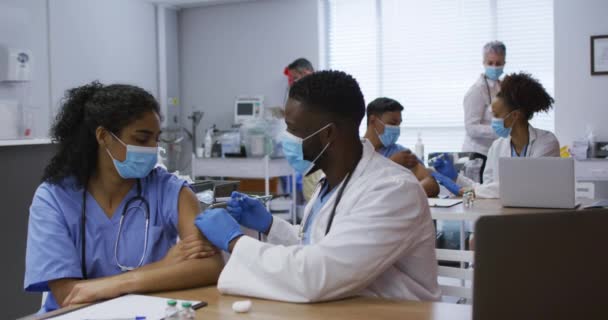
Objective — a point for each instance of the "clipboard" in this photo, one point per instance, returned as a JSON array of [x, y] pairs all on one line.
[[128, 306], [443, 203]]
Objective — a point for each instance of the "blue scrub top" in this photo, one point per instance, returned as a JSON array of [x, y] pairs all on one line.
[[54, 231], [389, 151], [316, 207]]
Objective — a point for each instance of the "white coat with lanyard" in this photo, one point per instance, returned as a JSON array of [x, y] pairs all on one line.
[[541, 144], [381, 243], [478, 115]]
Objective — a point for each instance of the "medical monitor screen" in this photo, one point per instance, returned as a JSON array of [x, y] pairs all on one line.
[[244, 109]]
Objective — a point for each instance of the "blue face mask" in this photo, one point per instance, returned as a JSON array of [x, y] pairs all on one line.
[[498, 125], [294, 151], [390, 135], [139, 162], [493, 73]]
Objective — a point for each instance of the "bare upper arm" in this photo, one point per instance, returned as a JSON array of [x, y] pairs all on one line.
[[420, 171], [188, 209]]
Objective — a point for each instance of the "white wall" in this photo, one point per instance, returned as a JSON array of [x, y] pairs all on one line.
[[109, 41], [242, 48], [23, 24], [580, 99]]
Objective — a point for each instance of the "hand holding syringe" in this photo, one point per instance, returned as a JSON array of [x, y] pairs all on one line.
[[222, 202]]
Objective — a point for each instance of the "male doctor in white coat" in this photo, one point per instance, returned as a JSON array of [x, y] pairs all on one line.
[[366, 231]]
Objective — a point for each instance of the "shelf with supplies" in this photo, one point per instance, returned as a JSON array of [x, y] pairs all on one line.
[[248, 168], [594, 169], [24, 142], [254, 168]]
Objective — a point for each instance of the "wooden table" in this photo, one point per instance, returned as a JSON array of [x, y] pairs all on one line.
[[485, 207], [220, 307], [482, 207]]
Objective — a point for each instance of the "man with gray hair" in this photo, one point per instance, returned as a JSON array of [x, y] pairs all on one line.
[[477, 101], [298, 69]]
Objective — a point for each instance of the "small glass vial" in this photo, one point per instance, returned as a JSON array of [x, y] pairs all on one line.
[[187, 313], [171, 310], [468, 198]]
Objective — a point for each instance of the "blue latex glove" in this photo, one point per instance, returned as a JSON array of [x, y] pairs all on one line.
[[452, 186], [445, 166], [249, 212], [218, 226]]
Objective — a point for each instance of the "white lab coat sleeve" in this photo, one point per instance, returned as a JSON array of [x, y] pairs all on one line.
[[382, 226], [475, 104], [487, 190], [490, 187], [549, 147], [282, 232], [465, 182]]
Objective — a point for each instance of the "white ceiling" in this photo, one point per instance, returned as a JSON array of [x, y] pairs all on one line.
[[194, 3]]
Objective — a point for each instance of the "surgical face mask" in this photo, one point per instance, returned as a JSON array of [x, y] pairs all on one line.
[[294, 151], [493, 73], [390, 135], [139, 162], [498, 125]]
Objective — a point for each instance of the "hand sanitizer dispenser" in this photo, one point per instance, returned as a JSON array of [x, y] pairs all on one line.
[[15, 64]]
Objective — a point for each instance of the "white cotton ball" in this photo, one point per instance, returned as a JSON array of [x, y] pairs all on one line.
[[242, 306]]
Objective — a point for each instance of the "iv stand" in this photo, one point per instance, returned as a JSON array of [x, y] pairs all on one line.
[[196, 119]]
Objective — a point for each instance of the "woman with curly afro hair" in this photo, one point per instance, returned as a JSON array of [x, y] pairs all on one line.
[[519, 99], [104, 222]]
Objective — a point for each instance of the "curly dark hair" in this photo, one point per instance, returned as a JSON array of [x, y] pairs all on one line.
[[83, 110], [523, 92], [332, 92]]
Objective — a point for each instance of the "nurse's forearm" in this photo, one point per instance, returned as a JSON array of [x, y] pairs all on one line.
[[186, 274]]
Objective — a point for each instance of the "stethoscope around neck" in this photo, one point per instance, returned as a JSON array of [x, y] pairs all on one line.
[[125, 210], [333, 211]]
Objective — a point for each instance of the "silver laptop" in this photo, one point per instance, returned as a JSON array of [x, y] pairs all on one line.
[[537, 182]]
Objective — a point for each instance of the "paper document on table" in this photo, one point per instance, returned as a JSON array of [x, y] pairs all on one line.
[[125, 307], [443, 203]]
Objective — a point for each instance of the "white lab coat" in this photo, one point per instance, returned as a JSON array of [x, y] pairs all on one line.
[[542, 144], [381, 244], [478, 116]]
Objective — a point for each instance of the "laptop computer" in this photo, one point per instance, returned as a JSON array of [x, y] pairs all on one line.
[[541, 266], [537, 182]]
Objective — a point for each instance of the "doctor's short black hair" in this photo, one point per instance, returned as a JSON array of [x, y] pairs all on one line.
[[523, 92], [83, 110], [332, 92], [382, 105]]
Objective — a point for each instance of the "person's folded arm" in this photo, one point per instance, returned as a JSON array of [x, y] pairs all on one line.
[[160, 276]]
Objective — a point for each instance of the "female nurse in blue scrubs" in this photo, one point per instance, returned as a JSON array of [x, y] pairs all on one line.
[[104, 222]]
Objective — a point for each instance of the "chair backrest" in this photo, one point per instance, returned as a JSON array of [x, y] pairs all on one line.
[[455, 281], [541, 266]]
